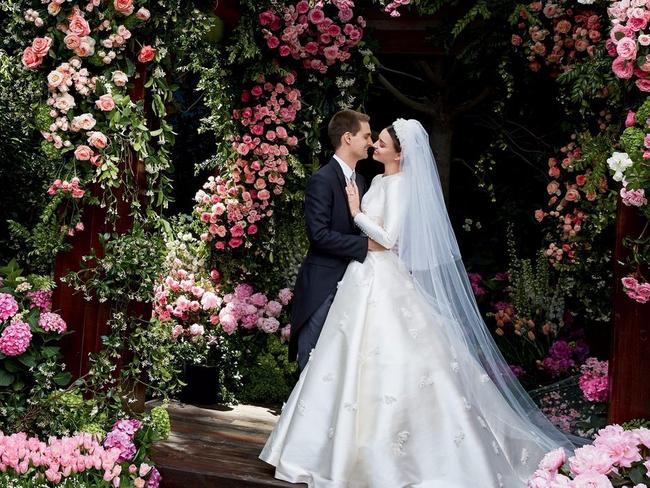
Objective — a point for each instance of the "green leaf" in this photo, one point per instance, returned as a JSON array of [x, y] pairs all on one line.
[[11, 366], [63, 378], [6, 379], [28, 360]]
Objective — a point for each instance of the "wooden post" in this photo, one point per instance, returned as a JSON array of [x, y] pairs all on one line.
[[629, 366], [88, 320]]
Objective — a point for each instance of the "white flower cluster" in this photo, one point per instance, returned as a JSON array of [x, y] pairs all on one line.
[[618, 163]]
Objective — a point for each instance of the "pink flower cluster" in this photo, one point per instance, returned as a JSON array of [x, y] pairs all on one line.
[[557, 35], [392, 7], [558, 411], [563, 356], [475, 280], [8, 306], [593, 380], [62, 458], [637, 291], [612, 450], [15, 338], [41, 299], [52, 322], [231, 206], [121, 438], [308, 34], [628, 42], [633, 198], [187, 301], [72, 187], [249, 310]]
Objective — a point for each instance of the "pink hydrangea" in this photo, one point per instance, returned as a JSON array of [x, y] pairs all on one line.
[[41, 299], [118, 439], [8, 306], [593, 380], [52, 322], [15, 339]]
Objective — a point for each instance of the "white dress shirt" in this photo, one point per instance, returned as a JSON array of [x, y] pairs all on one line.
[[347, 171]]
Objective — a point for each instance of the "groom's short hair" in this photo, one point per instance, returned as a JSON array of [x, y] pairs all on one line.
[[344, 121]]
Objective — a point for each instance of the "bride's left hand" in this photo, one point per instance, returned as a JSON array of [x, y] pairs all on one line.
[[353, 198]]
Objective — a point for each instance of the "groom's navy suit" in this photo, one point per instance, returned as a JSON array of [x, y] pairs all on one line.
[[334, 240]]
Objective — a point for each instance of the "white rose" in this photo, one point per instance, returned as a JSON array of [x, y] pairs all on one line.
[[55, 78], [120, 78], [64, 102]]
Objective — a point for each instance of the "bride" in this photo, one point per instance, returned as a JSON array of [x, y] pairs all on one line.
[[406, 387]]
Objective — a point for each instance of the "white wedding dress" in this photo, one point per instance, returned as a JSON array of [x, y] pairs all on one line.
[[380, 403]]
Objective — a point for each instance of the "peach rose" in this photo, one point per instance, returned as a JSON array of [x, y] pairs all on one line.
[[78, 26], [41, 45], [120, 78], [53, 8], [86, 47], [105, 103], [72, 41], [572, 195], [552, 187], [65, 102], [83, 153], [146, 54], [30, 59], [97, 139], [125, 7], [54, 79], [143, 14]]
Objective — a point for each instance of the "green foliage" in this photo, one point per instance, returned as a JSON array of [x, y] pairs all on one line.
[[268, 376], [632, 141]]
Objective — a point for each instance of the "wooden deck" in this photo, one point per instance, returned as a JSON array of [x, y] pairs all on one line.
[[217, 447]]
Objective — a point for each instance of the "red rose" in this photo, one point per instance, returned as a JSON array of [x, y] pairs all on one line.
[[146, 54]]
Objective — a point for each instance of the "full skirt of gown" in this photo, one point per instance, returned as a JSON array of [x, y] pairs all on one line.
[[381, 405]]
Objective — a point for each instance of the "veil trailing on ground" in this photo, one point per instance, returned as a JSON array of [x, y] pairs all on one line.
[[428, 248]]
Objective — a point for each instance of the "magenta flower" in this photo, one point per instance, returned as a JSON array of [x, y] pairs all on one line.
[[8, 306], [15, 339]]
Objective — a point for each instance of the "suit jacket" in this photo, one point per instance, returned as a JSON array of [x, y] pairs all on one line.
[[334, 240]]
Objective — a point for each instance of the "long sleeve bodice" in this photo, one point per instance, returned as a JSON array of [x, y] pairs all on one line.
[[382, 210]]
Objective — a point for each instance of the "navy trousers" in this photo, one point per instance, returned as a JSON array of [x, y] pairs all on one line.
[[309, 333]]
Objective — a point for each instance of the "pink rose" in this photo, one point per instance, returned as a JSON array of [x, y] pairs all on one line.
[[630, 282], [72, 41], [196, 330], [78, 26], [591, 480], [284, 50], [316, 16], [30, 59], [272, 42], [143, 14], [629, 119], [125, 7], [626, 48], [643, 85], [146, 54], [97, 139], [41, 45], [302, 7], [622, 68], [516, 40], [83, 153], [105, 103]]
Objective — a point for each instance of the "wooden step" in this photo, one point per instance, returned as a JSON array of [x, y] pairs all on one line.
[[217, 447]]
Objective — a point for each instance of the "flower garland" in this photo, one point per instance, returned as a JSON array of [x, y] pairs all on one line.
[[89, 118]]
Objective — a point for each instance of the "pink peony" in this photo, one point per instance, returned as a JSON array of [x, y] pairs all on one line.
[[210, 300], [591, 480], [591, 459], [52, 322], [285, 295], [553, 460], [15, 338], [8, 306], [633, 198]]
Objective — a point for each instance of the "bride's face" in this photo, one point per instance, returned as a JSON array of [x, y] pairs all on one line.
[[385, 151]]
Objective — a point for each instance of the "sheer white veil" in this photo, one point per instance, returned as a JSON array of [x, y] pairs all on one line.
[[428, 248]]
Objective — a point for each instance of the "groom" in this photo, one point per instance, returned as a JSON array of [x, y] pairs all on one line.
[[334, 240]]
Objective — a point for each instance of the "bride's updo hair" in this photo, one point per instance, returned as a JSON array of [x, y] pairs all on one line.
[[393, 136]]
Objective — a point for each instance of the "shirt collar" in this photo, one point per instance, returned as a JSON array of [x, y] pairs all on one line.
[[347, 171]]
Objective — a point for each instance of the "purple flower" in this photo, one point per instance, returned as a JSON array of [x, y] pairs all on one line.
[[128, 426], [118, 439]]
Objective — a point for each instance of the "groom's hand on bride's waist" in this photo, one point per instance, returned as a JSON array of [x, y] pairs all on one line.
[[374, 246]]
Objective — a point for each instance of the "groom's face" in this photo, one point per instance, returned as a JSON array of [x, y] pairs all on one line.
[[361, 141]]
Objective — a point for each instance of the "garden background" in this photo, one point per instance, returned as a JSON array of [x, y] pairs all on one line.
[[154, 159]]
